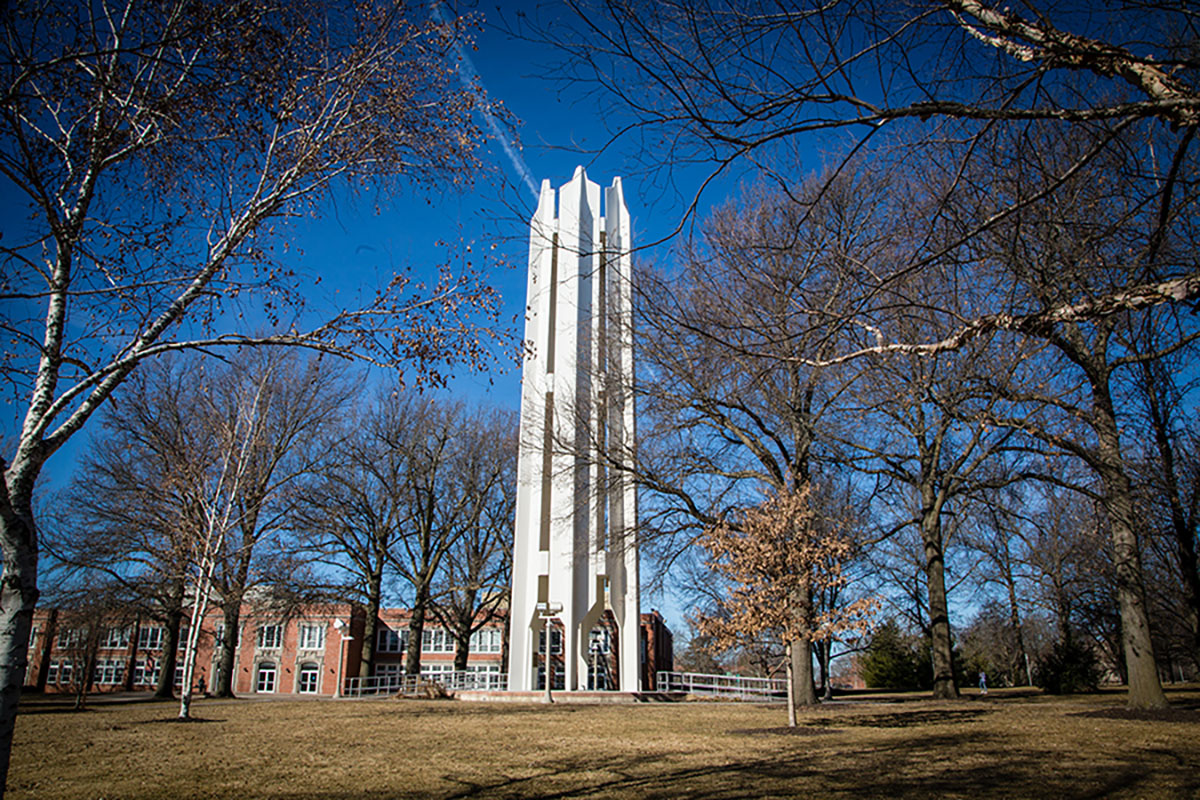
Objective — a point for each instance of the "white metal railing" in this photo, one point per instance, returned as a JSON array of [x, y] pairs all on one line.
[[411, 684], [470, 681], [734, 687], [381, 684]]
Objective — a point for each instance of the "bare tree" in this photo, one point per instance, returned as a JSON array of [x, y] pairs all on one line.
[[351, 512], [300, 399], [154, 144], [427, 435], [994, 525], [123, 518], [726, 82], [1072, 247], [474, 586], [1169, 481]]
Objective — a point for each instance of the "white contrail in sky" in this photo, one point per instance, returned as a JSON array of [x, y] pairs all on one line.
[[469, 77]]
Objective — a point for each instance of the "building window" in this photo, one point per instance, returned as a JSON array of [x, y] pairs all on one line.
[[388, 670], [66, 672], [52, 673], [270, 637], [429, 670], [67, 637], [390, 641], [560, 676], [115, 637], [312, 636], [599, 642], [109, 671], [265, 684], [150, 638], [310, 676], [33, 635], [488, 640], [436, 640], [488, 675], [146, 672], [555, 640], [178, 675]]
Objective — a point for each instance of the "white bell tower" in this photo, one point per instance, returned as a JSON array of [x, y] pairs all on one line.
[[574, 552]]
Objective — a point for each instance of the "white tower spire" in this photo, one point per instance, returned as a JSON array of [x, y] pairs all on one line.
[[574, 553]]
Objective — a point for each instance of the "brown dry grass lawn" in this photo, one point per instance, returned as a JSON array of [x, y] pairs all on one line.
[[998, 746]]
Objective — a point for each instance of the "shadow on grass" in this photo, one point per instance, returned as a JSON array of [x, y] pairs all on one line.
[[907, 719], [1176, 713], [60, 704], [915, 766]]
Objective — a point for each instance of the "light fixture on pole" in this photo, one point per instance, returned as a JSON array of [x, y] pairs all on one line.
[[342, 628], [547, 612]]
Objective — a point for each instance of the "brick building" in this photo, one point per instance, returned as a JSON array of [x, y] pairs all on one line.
[[305, 654]]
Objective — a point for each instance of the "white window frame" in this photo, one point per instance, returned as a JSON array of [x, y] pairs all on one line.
[[308, 669], [269, 636], [261, 672], [151, 637], [429, 670], [109, 671], [387, 670], [144, 677], [388, 640], [487, 640], [311, 636], [555, 641], [436, 640], [560, 676], [600, 635], [115, 638]]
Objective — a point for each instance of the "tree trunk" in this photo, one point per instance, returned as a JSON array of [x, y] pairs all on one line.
[[1145, 691], [131, 656], [791, 689], [825, 654], [800, 673], [170, 654], [462, 641], [366, 665], [416, 627], [47, 644], [18, 598], [504, 645], [464, 621], [83, 683], [1185, 535], [225, 667], [941, 645], [1014, 619]]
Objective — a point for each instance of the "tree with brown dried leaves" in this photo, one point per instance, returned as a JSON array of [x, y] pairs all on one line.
[[777, 558]]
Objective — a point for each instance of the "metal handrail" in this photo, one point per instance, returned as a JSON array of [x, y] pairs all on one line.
[[412, 684], [726, 686]]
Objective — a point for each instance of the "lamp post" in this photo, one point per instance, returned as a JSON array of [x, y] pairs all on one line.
[[547, 612], [341, 627]]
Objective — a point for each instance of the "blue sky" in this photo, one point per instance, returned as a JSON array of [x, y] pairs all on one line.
[[357, 242]]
